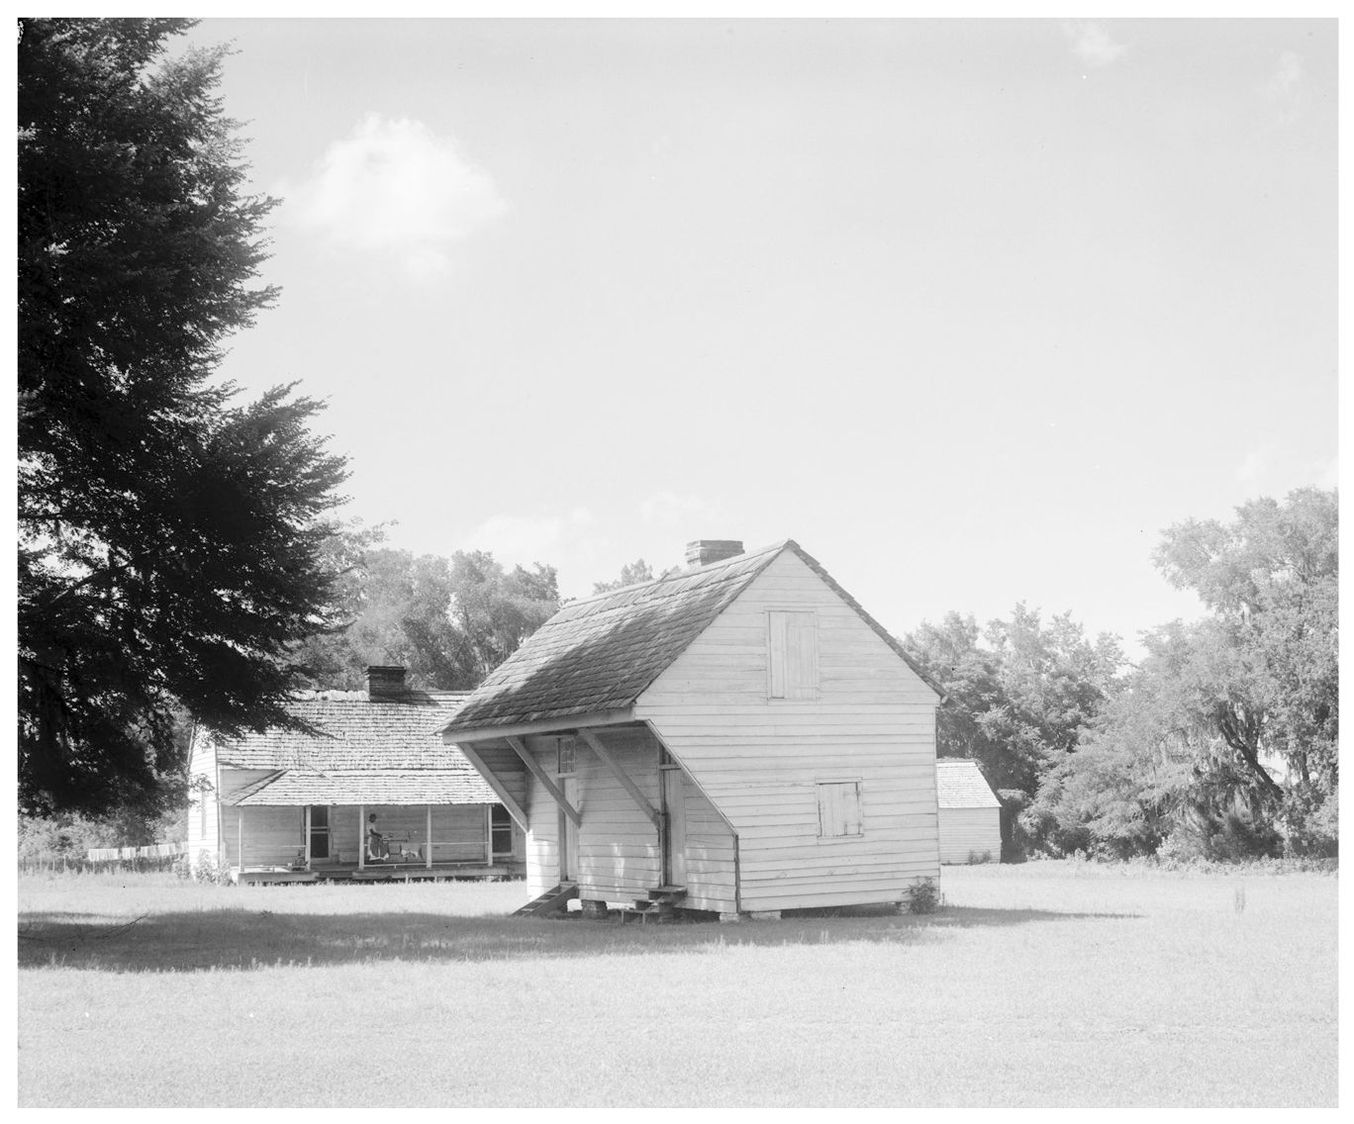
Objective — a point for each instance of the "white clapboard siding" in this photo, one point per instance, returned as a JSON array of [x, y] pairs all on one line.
[[542, 836], [759, 759], [271, 836], [268, 840], [202, 804], [618, 853], [967, 834], [619, 859], [711, 855]]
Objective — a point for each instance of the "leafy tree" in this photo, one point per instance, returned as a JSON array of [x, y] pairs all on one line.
[[169, 540], [1181, 755], [494, 611], [1268, 661], [1150, 766], [970, 678], [632, 573], [1022, 699], [449, 621]]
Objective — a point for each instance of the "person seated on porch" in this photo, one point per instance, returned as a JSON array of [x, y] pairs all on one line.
[[376, 844]]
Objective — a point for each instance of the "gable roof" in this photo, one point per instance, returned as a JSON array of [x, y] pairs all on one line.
[[961, 784], [602, 653], [353, 731]]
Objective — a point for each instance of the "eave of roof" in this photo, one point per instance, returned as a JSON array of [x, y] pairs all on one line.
[[388, 787]]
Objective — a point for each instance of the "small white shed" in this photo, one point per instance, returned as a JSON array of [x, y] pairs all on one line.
[[970, 813]]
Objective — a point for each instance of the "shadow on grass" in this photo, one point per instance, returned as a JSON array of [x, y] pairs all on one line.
[[235, 939]]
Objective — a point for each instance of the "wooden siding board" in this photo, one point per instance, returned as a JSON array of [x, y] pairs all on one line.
[[965, 831]]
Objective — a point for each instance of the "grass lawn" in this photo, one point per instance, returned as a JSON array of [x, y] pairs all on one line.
[[1040, 984]]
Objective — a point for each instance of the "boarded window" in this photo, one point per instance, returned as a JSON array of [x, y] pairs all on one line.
[[792, 655], [839, 809]]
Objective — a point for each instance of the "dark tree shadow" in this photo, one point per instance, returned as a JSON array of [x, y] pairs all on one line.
[[252, 939]]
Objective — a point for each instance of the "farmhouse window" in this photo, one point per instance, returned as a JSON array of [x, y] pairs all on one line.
[[500, 830], [839, 812], [567, 747], [792, 655]]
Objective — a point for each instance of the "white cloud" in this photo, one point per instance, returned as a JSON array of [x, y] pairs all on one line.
[[666, 508], [1091, 43], [531, 538], [394, 186], [1284, 89], [1286, 77]]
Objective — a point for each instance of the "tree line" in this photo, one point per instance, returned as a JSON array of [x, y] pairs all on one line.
[[1221, 742]]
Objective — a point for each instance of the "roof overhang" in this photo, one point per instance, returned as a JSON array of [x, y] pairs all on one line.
[[557, 725], [382, 787]]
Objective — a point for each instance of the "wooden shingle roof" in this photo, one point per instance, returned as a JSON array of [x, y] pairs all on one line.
[[960, 784], [354, 732], [601, 654], [292, 788]]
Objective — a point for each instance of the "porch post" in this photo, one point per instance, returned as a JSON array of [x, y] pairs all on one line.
[[428, 838], [361, 837], [239, 838], [306, 828]]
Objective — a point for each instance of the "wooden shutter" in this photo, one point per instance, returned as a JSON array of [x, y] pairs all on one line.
[[839, 809], [792, 655]]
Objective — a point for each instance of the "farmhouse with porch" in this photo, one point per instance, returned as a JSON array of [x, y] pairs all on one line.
[[290, 806], [741, 737]]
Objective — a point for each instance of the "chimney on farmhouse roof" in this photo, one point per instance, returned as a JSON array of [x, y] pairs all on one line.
[[704, 551], [385, 683]]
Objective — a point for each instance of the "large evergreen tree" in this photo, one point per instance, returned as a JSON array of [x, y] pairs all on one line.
[[169, 539]]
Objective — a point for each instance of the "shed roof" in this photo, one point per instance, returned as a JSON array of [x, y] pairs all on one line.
[[353, 731], [602, 653], [295, 787], [960, 784]]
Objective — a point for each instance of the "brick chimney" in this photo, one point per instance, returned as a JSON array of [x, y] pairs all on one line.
[[704, 551], [385, 683]]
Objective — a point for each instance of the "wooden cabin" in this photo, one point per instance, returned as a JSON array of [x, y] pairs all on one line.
[[741, 737], [286, 805], [970, 813]]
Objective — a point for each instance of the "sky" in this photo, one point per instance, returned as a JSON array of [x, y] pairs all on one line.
[[972, 310]]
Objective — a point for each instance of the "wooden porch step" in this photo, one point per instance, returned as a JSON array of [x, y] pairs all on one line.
[[659, 904], [554, 899]]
